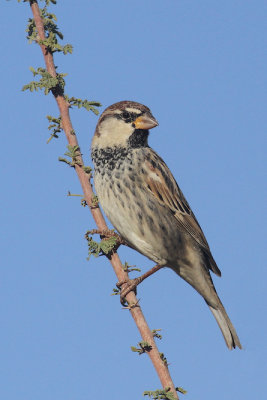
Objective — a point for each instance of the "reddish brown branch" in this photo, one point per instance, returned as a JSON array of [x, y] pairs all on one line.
[[161, 368]]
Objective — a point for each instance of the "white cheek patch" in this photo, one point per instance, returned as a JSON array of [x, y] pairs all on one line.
[[113, 132]]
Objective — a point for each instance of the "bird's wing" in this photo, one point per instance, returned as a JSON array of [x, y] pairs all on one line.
[[161, 183]]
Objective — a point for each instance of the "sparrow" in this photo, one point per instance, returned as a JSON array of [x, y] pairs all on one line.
[[142, 200]]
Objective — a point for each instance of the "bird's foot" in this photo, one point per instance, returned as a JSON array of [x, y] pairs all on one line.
[[131, 284], [127, 286]]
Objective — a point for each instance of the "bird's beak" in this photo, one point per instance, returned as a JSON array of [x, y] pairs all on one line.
[[145, 122]]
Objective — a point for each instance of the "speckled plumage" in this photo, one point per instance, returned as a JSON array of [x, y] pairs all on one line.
[[146, 206]]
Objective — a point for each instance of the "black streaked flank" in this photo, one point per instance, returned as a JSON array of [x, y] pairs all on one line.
[[122, 202], [163, 227], [126, 183], [140, 216], [150, 220]]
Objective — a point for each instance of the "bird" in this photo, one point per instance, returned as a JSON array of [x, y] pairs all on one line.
[[144, 203]]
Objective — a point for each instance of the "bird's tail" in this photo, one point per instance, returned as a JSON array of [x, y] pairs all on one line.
[[226, 326]]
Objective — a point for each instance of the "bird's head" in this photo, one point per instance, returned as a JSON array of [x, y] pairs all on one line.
[[123, 124]]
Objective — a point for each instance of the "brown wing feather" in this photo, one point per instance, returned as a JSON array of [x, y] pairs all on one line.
[[163, 186]]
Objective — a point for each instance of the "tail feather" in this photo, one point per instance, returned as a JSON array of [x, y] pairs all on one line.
[[226, 326], [199, 277]]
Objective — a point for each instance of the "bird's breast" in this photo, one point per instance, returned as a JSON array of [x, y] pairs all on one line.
[[133, 214]]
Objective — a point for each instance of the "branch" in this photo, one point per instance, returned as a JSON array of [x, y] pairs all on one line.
[[134, 307]]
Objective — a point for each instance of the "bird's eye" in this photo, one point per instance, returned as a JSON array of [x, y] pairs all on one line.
[[126, 115]]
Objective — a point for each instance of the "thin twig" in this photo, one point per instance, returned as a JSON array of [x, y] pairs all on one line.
[[161, 368]]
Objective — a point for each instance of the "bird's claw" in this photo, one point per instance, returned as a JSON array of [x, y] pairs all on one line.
[[126, 287]]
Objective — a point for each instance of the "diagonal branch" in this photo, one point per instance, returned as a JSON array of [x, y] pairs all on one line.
[[135, 309]]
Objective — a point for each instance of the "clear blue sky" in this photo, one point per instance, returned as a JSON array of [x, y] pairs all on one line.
[[201, 68]]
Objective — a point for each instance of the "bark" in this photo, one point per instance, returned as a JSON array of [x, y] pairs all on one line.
[[134, 307]]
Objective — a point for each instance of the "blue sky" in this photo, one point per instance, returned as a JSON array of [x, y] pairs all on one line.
[[201, 68]]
